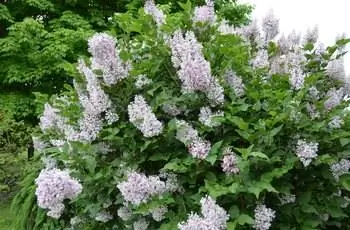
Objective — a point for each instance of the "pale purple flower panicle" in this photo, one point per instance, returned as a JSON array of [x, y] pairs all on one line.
[[263, 217], [142, 117], [312, 110], [251, 32], [261, 59], [50, 118], [297, 78], [141, 224], [207, 117], [306, 151], [124, 213], [229, 162], [193, 70], [205, 14], [103, 216], [139, 188], [225, 28], [157, 15], [334, 98], [236, 83], [213, 217], [199, 148], [53, 187], [158, 214], [294, 38], [270, 26], [311, 35], [336, 70], [105, 56], [340, 168], [284, 44], [142, 81], [185, 132], [336, 122], [288, 199], [95, 102], [171, 109]]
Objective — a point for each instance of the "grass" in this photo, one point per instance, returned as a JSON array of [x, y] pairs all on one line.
[[6, 216]]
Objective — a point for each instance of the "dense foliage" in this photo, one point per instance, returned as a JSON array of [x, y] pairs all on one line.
[[179, 120]]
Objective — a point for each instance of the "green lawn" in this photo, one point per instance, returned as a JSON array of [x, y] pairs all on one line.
[[5, 217]]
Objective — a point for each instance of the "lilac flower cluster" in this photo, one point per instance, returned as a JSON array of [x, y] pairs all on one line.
[[235, 82], [193, 70], [213, 217], [157, 15], [197, 147], [306, 151], [207, 117], [141, 115], [334, 98], [124, 213], [340, 168], [142, 81], [139, 188], [141, 224], [263, 217], [105, 56], [287, 199], [205, 14], [53, 187], [229, 162], [336, 122], [95, 102], [270, 26], [103, 216], [158, 214]]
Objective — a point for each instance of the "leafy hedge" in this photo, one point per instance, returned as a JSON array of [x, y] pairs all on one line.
[[180, 120]]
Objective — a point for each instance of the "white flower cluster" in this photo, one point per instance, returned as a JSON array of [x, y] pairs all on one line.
[[124, 213], [287, 199], [105, 56], [103, 216], [312, 110], [157, 15], [158, 214], [306, 151], [197, 147], [336, 122], [261, 59], [213, 217], [334, 98], [336, 70], [193, 70], [95, 102], [270, 26], [142, 117], [225, 28], [205, 14], [139, 188], [229, 162], [171, 109], [340, 168], [207, 117], [263, 217], [142, 81], [141, 224], [311, 35], [53, 187], [235, 83]]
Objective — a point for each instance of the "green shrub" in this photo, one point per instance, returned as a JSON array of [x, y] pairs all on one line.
[[184, 118]]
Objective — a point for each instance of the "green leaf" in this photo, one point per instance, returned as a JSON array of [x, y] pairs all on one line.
[[213, 153], [245, 219], [176, 165], [259, 154], [216, 190], [90, 163], [345, 182], [232, 225], [344, 141], [238, 121]]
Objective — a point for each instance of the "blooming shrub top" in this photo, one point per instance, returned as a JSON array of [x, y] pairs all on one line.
[[185, 122]]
